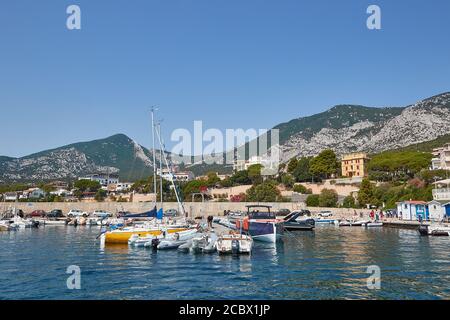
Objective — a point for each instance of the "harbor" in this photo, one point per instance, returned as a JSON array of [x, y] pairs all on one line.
[[329, 263]]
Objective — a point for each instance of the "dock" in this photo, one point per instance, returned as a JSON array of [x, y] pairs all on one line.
[[403, 224]]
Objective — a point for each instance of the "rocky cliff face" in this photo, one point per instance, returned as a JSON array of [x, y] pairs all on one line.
[[344, 128], [366, 129], [116, 154]]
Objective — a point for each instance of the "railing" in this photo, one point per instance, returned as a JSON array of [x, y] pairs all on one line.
[[441, 194]]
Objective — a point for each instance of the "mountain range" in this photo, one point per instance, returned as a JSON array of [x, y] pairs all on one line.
[[116, 154], [343, 128]]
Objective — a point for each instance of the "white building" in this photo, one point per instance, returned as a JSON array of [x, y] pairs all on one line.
[[10, 196], [441, 158], [36, 193], [60, 192], [241, 165], [439, 209], [182, 176], [411, 210], [103, 179], [442, 190]]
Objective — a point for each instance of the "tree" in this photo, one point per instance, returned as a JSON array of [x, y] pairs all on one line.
[[325, 164], [349, 202], [100, 195], [264, 192], [192, 187], [287, 180], [302, 189], [328, 198], [240, 178], [213, 179], [226, 183], [87, 185], [312, 200], [366, 193], [254, 173], [301, 172], [398, 165], [292, 165]]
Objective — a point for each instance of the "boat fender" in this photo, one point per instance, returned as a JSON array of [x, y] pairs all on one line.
[[246, 224]]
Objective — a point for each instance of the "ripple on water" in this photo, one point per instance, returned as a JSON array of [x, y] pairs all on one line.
[[330, 263]]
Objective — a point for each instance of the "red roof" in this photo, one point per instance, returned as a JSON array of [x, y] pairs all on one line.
[[413, 202]]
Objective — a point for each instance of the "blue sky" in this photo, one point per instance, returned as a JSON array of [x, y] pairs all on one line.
[[232, 64]]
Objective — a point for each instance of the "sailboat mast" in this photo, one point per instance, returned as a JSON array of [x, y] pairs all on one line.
[[154, 156], [180, 204], [161, 154]]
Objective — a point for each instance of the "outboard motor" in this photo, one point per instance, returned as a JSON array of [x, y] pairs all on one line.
[[423, 230], [235, 246], [155, 243]]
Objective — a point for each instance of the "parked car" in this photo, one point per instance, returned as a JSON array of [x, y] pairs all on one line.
[[171, 213], [101, 214], [56, 213], [283, 212], [77, 213], [325, 214], [37, 214]]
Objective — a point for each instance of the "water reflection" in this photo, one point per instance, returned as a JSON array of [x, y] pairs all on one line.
[[330, 263]]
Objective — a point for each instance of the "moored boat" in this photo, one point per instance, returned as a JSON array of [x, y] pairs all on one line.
[[374, 224], [352, 223], [204, 243], [234, 243], [121, 236], [322, 220], [299, 220], [261, 225], [438, 230]]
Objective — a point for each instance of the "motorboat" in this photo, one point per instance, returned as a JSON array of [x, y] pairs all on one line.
[[374, 224], [163, 242], [261, 224], [299, 220], [50, 222], [234, 243], [323, 220], [5, 225], [205, 243], [186, 247], [434, 229], [21, 223], [352, 223]]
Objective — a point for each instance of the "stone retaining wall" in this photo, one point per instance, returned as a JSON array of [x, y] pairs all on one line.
[[193, 208]]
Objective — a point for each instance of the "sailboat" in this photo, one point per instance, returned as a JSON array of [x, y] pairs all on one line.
[[155, 228]]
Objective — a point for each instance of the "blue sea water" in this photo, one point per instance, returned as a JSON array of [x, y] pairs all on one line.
[[330, 263]]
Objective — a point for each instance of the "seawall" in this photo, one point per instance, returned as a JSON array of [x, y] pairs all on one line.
[[194, 209]]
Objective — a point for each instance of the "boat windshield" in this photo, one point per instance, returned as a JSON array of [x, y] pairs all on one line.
[[261, 215]]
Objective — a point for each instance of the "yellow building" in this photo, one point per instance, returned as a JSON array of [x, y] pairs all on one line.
[[355, 165]]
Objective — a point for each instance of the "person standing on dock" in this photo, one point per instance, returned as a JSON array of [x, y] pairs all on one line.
[[210, 222]]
